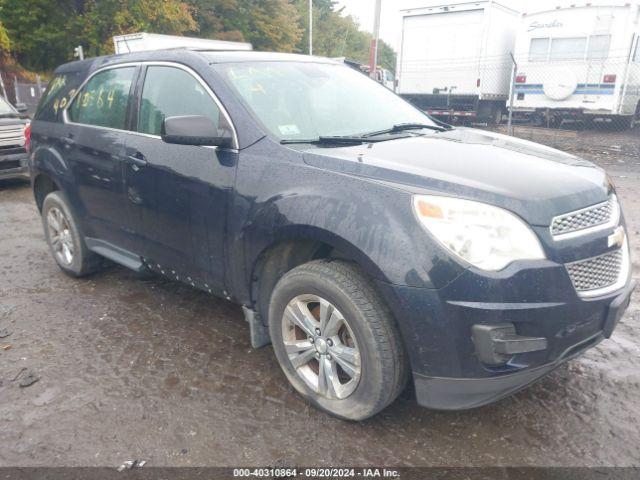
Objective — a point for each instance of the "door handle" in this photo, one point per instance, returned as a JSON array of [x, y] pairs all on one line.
[[137, 160], [68, 140]]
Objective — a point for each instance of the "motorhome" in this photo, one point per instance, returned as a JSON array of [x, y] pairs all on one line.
[[579, 63], [454, 60]]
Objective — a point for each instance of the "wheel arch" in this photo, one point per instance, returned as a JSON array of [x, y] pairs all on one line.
[[49, 170], [294, 246], [43, 185]]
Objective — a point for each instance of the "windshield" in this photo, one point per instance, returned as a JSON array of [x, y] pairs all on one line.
[[5, 108], [312, 100]]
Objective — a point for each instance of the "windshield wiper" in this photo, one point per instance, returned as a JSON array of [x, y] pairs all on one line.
[[401, 127], [349, 140]]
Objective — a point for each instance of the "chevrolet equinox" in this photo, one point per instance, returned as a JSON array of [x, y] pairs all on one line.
[[368, 243]]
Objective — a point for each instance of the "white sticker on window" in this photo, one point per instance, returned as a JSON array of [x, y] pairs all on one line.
[[289, 129]]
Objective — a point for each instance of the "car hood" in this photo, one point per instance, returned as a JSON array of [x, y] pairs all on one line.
[[532, 180]]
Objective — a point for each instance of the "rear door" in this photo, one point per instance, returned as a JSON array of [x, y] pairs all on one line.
[[93, 148], [177, 195]]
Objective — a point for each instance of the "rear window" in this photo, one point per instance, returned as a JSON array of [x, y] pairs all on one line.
[[568, 48], [61, 88], [539, 50]]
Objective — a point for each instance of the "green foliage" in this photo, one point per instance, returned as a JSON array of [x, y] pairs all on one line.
[[43, 33], [104, 19], [5, 44]]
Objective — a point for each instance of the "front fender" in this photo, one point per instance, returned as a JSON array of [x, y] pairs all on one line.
[[279, 197]]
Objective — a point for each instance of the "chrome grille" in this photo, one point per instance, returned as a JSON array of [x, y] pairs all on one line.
[[597, 272], [594, 216], [11, 135]]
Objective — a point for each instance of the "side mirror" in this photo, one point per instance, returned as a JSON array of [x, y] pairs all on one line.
[[22, 107], [193, 130]]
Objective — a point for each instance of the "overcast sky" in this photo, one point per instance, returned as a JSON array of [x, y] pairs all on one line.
[[390, 19]]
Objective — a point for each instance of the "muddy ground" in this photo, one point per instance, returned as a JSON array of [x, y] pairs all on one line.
[[153, 370]]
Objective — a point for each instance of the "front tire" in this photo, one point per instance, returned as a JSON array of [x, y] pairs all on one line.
[[336, 340], [65, 241]]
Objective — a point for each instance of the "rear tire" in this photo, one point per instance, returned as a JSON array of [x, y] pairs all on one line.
[[327, 319], [65, 241]]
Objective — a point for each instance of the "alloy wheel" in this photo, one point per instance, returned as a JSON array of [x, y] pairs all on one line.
[[60, 236], [321, 346]]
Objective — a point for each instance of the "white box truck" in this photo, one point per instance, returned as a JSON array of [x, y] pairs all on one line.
[[579, 63], [454, 60], [142, 41]]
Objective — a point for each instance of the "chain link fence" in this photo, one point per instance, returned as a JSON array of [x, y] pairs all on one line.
[[22, 95]]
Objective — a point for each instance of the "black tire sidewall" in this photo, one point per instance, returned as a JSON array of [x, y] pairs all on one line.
[[369, 396]]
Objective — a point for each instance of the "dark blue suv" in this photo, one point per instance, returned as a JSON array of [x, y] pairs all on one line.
[[367, 242]]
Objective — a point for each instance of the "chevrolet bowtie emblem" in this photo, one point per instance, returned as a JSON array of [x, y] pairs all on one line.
[[616, 239]]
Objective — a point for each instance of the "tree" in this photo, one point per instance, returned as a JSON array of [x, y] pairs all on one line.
[[5, 44], [44, 32], [105, 18], [268, 24], [38, 30]]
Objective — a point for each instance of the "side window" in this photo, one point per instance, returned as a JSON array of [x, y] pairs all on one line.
[[598, 47], [103, 100], [539, 49], [60, 89], [170, 92]]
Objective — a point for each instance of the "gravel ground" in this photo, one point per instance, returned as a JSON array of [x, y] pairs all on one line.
[[153, 370]]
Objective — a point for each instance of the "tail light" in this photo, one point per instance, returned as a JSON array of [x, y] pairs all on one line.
[[478, 83], [521, 79], [27, 136], [609, 79]]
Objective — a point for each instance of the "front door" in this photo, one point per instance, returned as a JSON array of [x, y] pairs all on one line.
[[178, 194], [93, 145]]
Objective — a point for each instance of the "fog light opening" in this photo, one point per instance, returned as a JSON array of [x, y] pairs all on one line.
[[498, 343]]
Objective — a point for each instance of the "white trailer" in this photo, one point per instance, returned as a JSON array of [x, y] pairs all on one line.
[[454, 59], [579, 63], [139, 42]]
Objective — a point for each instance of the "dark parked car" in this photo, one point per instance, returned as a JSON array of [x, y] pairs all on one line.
[[366, 242], [13, 155]]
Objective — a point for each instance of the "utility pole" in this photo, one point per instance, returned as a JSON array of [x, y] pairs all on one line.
[[310, 27], [373, 54], [512, 92]]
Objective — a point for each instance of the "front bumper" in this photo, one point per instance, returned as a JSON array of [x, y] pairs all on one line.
[[14, 165], [437, 330]]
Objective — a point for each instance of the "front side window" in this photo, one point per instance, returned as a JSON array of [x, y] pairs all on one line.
[[598, 47], [568, 48], [171, 92], [299, 100], [539, 49], [103, 100]]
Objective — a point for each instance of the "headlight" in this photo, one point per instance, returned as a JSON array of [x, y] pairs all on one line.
[[487, 237]]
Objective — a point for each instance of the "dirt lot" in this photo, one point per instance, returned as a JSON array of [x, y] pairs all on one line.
[[150, 369]]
